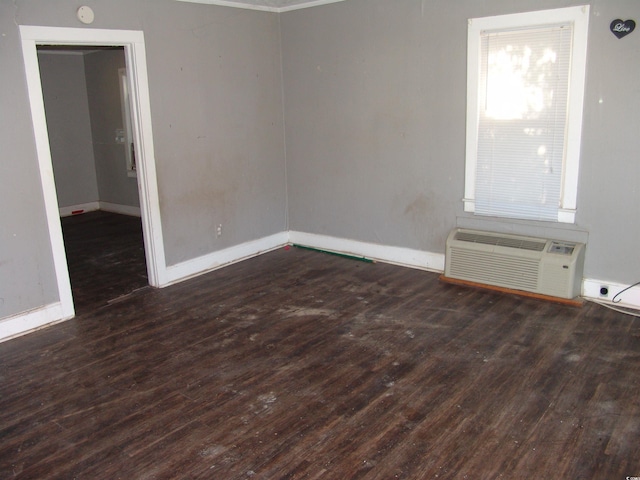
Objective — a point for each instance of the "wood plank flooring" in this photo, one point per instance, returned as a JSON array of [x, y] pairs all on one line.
[[105, 256], [302, 365]]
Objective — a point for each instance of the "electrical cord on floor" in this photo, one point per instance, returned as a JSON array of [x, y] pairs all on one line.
[[633, 313], [613, 300]]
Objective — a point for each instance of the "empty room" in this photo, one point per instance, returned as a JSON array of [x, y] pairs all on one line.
[[319, 239]]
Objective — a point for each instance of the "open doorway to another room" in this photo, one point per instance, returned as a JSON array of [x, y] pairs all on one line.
[[133, 44], [85, 92]]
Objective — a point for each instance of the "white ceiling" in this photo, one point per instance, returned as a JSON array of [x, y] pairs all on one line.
[[266, 5]]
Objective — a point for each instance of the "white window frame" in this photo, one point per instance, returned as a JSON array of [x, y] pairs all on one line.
[[579, 17], [127, 131]]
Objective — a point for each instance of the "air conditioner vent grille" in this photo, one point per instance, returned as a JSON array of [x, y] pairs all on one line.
[[521, 244], [495, 269]]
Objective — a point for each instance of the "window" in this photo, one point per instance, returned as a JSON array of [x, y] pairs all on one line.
[[525, 88], [125, 135]]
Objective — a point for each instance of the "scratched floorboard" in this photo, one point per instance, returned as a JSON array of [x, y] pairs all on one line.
[[302, 365]]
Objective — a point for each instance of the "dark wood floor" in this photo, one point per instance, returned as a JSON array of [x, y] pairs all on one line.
[[105, 255], [303, 365]]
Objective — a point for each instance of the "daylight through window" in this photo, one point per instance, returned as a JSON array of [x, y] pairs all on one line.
[[525, 91]]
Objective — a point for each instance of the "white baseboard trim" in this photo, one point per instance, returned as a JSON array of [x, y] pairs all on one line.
[[93, 206], [32, 320], [629, 299], [222, 258], [405, 257], [121, 209], [80, 208]]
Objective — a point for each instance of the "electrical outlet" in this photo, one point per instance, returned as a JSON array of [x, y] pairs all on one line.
[[219, 230]]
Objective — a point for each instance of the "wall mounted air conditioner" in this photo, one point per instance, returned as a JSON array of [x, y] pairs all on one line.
[[541, 266]]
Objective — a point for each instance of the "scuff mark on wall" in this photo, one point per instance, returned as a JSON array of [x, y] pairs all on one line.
[[425, 217], [418, 208]]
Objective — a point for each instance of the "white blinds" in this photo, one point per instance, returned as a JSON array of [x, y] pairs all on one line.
[[523, 95]]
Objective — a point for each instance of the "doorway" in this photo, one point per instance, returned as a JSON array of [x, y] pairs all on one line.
[[134, 48], [88, 121]]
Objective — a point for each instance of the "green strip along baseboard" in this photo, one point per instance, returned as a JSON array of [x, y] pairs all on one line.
[[344, 255]]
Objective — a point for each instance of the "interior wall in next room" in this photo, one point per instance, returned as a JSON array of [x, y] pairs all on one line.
[[115, 185], [64, 89]]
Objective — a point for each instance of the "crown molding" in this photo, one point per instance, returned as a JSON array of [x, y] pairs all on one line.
[[276, 6], [307, 4]]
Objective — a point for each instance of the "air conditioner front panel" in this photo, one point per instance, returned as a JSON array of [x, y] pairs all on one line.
[[556, 281], [494, 269], [531, 264]]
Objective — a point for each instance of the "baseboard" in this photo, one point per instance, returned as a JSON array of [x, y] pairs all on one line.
[[31, 321], [212, 261], [93, 206], [395, 255], [27, 322], [405, 257], [80, 208], [629, 299], [121, 209]]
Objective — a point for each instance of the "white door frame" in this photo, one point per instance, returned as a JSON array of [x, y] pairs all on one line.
[[133, 43]]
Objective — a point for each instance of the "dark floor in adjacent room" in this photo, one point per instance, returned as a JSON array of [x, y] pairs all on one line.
[[105, 255], [302, 365]]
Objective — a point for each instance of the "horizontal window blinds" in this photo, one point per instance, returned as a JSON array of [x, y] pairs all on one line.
[[523, 104]]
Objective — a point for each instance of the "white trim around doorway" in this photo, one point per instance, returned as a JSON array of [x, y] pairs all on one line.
[[133, 43]]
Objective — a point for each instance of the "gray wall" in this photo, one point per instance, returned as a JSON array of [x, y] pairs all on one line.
[[216, 101], [375, 125], [68, 122], [375, 105], [27, 277], [103, 91], [83, 109], [216, 106]]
